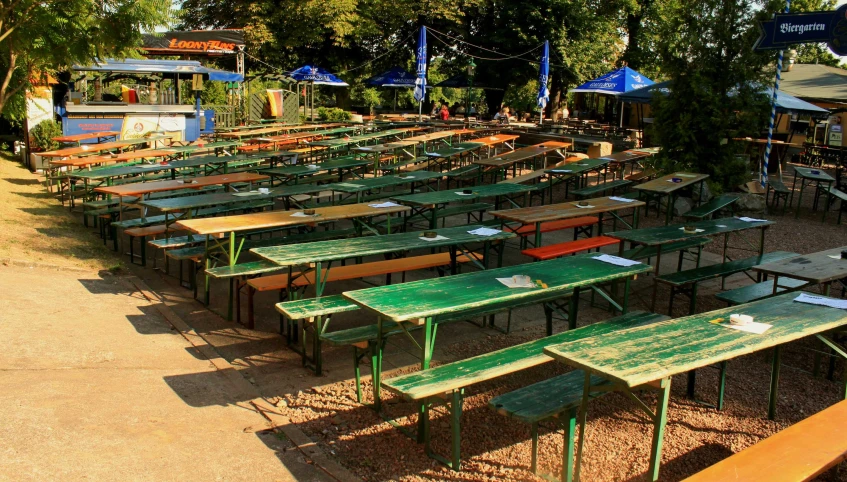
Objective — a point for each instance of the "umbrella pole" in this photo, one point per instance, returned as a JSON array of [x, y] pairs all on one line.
[[313, 102]]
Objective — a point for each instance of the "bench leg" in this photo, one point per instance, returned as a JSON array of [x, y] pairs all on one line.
[[661, 419], [722, 385], [569, 427], [777, 356]]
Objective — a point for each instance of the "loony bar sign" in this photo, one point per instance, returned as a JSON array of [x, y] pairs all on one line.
[[788, 29], [209, 42]]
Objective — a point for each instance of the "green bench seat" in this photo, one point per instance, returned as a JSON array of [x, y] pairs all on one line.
[[447, 382], [685, 282], [706, 210], [780, 192], [601, 188], [646, 252], [758, 291], [399, 165]]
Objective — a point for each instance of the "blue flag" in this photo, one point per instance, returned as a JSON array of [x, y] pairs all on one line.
[[420, 82], [544, 75]]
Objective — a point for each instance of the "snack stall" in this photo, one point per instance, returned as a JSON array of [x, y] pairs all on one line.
[[140, 108]]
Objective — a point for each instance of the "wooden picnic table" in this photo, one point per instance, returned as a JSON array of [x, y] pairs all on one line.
[[88, 161], [553, 212], [144, 189], [430, 201], [492, 141], [78, 138], [279, 140], [90, 149], [821, 268], [361, 186], [467, 295], [665, 186], [659, 236], [631, 156], [228, 248], [459, 151], [343, 165], [810, 176], [685, 344], [577, 171], [502, 162]]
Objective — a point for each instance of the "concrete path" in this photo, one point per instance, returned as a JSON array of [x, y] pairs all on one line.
[[96, 385]]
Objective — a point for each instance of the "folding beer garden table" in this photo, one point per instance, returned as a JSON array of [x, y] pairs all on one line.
[[432, 201], [429, 302], [648, 357], [502, 162], [459, 152], [578, 171], [810, 177], [78, 138], [344, 165], [359, 187], [821, 268], [669, 186]]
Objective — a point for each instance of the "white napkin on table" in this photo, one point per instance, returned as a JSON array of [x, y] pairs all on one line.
[[822, 301], [697, 230], [621, 199], [561, 170], [485, 231], [386, 204], [618, 261], [301, 214], [437, 238], [751, 220], [518, 281], [460, 193]]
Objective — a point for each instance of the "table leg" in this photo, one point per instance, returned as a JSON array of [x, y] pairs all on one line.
[[583, 415], [799, 196], [538, 234], [826, 200], [774, 383], [655, 275], [659, 422], [376, 360]]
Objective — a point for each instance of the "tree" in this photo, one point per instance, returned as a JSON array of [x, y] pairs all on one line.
[[716, 91], [42, 36], [815, 53]]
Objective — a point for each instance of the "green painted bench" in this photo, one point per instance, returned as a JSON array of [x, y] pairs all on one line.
[[602, 188], [833, 193], [685, 282], [758, 291], [706, 210], [446, 383], [780, 191], [647, 252], [452, 210], [399, 165]]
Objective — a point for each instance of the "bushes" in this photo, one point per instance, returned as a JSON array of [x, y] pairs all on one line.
[[333, 114], [41, 136]]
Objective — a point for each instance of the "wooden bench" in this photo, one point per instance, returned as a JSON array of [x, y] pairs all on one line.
[[388, 267], [706, 210], [582, 225], [833, 194], [758, 291], [446, 383], [143, 233], [642, 176], [801, 452], [780, 191], [601, 189], [570, 247], [402, 164], [685, 282]]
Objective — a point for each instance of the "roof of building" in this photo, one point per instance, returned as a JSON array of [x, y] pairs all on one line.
[[815, 82]]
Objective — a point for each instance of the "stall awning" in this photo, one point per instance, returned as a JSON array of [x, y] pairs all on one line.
[[149, 66]]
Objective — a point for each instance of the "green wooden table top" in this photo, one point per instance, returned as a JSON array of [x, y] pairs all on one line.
[[463, 292], [806, 173], [138, 168], [518, 155], [552, 212], [817, 267], [456, 194], [454, 150], [627, 156], [578, 167], [653, 352], [672, 233], [305, 253], [665, 185], [304, 169], [354, 139], [177, 204], [360, 185]]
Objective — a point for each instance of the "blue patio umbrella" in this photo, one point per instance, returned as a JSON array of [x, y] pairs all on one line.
[[615, 82], [543, 75], [420, 82], [395, 77], [316, 76]]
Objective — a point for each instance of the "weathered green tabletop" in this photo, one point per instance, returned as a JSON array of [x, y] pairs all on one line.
[[340, 164], [502, 162], [648, 356], [430, 201], [458, 151], [810, 177], [821, 268], [669, 186], [553, 212], [472, 294], [578, 171], [360, 186]]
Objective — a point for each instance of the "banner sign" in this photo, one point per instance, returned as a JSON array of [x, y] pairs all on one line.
[[788, 29], [211, 42]]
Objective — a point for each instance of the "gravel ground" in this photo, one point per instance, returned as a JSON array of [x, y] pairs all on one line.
[[618, 434]]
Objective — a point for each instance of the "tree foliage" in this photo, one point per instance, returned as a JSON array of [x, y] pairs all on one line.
[[43, 36]]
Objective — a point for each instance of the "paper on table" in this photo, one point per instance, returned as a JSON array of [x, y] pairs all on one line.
[[406, 177], [697, 230], [386, 204], [301, 214], [834, 256], [518, 281], [720, 225], [460, 193], [348, 184], [607, 158], [607, 258], [485, 231], [752, 327], [621, 199], [312, 166], [751, 220], [822, 301], [561, 170], [583, 207], [247, 193], [437, 238], [153, 166]]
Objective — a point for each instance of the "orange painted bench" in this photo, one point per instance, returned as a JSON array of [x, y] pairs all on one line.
[[570, 247]]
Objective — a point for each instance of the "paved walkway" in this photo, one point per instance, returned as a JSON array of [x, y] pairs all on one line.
[[96, 385]]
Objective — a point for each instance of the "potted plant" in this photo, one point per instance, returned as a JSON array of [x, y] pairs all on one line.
[[41, 139]]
